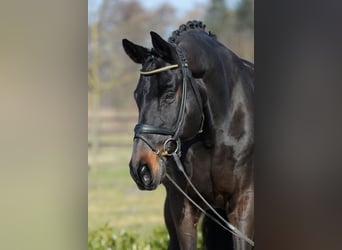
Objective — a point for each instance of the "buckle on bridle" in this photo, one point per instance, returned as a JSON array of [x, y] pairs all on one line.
[[170, 147]]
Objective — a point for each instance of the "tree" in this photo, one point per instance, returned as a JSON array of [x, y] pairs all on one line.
[[245, 14], [218, 17], [118, 20]]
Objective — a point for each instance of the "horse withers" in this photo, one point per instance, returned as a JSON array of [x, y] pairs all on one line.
[[196, 132]]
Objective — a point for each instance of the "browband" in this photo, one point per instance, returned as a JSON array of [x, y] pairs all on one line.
[[173, 66]]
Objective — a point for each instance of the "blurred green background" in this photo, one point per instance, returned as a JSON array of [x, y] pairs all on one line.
[[114, 201]]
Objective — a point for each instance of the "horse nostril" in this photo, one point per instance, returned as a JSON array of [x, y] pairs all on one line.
[[145, 175]]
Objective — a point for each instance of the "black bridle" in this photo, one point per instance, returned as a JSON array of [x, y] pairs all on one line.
[[172, 144]]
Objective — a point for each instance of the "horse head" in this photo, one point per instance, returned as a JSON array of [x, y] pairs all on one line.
[[170, 109]]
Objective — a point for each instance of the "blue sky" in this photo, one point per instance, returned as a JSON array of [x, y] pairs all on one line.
[[181, 6]]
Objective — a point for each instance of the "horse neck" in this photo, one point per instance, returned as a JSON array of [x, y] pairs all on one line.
[[215, 66], [220, 71]]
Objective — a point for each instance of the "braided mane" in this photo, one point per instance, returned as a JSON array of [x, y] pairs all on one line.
[[190, 25]]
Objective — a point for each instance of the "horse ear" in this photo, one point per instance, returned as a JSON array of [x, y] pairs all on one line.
[[164, 48], [136, 52]]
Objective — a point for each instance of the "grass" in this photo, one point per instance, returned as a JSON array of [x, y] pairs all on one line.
[[113, 197], [120, 216]]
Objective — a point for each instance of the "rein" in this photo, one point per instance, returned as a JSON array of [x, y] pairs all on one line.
[[230, 227], [141, 129]]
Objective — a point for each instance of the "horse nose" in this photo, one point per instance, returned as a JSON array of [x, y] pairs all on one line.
[[145, 166], [141, 174], [145, 175]]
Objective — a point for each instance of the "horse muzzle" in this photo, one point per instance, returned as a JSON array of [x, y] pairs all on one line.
[[148, 171]]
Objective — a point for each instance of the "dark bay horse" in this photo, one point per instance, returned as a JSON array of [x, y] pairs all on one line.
[[196, 126]]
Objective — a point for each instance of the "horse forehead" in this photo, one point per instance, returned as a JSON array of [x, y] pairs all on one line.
[[157, 83], [152, 62], [145, 86]]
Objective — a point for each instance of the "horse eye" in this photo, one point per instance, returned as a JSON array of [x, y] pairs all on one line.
[[169, 97]]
